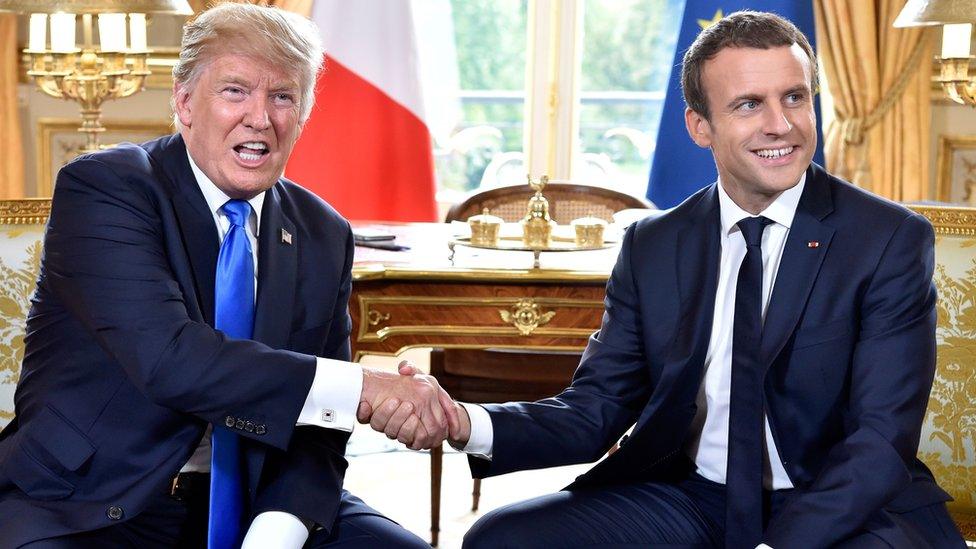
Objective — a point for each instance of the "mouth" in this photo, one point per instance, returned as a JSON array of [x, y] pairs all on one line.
[[252, 153], [776, 156]]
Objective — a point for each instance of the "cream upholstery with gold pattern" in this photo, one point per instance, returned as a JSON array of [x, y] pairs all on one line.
[[21, 234], [948, 444]]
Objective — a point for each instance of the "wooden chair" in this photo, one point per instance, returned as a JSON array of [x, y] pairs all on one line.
[[567, 201], [492, 375]]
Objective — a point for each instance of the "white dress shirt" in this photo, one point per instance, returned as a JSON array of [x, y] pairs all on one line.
[[331, 403], [708, 446]]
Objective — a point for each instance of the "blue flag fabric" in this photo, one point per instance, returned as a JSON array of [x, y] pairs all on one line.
[[680, 167]]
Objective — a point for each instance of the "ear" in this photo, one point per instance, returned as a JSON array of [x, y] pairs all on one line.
[[698, 128], [181, 104]]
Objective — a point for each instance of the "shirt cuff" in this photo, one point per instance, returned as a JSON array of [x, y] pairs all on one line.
[[334, 398], [482, 436], [275, 530], [763, 546]]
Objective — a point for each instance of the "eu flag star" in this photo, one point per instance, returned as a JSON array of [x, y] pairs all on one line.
[[705, 23]]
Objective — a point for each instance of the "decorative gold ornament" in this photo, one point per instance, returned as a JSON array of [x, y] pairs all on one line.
[[375, 317], [526, 316], [537, 225]]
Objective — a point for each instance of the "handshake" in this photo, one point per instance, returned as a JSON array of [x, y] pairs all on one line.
[[411, 407]]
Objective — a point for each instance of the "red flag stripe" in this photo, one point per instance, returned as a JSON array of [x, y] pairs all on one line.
[[364, 153]]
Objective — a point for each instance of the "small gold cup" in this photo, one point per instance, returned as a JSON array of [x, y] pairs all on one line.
[[484, 229], [589, 231]]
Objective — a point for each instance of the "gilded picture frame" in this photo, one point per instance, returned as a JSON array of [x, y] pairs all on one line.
[[58, 142], [956, 169]]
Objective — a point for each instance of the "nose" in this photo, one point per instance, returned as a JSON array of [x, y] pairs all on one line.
[[776, 122], [256, 115]]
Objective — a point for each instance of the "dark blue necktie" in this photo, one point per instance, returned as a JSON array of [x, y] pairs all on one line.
[[743, 519], [233, 315]]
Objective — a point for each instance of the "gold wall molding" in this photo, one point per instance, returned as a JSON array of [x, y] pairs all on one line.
[[948, 146], [48, 130]]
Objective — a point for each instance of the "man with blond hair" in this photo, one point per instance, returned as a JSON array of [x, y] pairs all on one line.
[[186, 379]]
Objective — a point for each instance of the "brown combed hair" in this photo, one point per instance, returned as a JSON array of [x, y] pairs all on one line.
[[741, 29]]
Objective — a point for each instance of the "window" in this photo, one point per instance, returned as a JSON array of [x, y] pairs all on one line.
[[568, 88]]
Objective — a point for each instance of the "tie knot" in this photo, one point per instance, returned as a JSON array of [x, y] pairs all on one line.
[[237, 211], [752, 229]]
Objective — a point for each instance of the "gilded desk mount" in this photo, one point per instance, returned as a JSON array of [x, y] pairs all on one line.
[[537, 230]]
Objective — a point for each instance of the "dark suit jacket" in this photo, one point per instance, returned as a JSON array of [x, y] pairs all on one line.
[[123, 369], [849, 343]]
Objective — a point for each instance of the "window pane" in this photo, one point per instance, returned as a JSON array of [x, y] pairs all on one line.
[[485, 142], [628, 46]]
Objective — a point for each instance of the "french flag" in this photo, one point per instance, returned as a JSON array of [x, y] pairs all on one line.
[[366, 148]]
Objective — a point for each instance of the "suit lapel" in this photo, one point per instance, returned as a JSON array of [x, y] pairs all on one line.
[[277, 268], [800, 263], [196, 222], [697, 265]]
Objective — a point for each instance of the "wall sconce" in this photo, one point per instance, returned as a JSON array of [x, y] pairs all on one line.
[[86, 72], [957, 18]]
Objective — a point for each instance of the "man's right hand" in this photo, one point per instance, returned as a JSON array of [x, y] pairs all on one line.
[[393, 418], [409, 406]]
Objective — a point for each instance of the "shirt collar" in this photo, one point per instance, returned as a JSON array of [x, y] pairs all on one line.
[[781, 211], [216, 198]]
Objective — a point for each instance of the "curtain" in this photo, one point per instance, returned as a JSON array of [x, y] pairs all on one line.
[[879, 80], [11, 148]]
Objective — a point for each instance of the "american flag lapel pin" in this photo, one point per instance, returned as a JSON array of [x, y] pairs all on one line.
[[813, 244], [285, 236]]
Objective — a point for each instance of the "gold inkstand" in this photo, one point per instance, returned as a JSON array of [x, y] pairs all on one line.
[[538, 230]]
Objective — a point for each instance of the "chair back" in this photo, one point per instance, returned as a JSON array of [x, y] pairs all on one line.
[[22, 225], [567, 201], [948, 443]]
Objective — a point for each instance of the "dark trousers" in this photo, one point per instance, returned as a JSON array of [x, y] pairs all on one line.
[[686, 514], [179, 520]]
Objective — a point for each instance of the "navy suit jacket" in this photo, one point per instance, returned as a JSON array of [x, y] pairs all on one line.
[[848, 342], [123, 369]]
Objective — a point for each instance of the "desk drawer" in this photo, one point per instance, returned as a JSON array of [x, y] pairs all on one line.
[[393, 316]]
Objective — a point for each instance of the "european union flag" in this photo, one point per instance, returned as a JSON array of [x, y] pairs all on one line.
[[680, 167]]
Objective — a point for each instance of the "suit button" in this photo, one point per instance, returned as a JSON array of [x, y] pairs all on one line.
[[239, 424], [229, 421], [249, 426], [260, 429], [115, 512]]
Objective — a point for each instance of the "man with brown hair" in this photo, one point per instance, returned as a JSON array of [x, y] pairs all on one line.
[[771, 340]]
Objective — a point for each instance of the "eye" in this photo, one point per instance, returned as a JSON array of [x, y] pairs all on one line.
[[232, 92], [283, 98], [749, 105], [794, 98]]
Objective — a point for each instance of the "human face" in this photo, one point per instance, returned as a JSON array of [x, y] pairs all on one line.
[[762, 131], [240, 122]]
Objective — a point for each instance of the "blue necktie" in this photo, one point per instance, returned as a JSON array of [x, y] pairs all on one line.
[[233, 315], [743, 479]]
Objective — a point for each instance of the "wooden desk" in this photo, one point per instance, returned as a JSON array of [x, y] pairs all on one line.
[[487, 298]]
